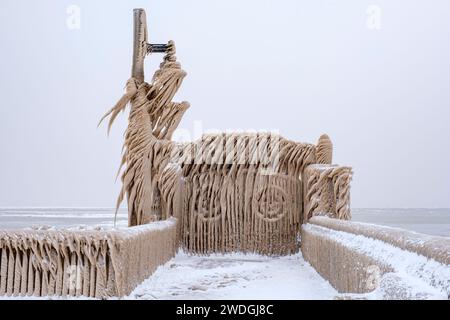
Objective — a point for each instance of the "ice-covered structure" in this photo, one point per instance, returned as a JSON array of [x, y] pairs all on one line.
[[249, 192]]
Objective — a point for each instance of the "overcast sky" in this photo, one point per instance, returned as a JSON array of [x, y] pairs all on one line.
[[374, 75]]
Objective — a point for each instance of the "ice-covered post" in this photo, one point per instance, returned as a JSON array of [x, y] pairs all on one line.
[[139, 44]]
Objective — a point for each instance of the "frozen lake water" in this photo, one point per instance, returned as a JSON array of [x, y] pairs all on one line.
[[429, 221], [16, 218]]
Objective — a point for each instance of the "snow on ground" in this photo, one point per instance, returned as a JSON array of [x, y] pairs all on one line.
[[234, 276]]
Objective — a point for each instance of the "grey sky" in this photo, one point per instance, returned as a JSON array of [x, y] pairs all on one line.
[[302, 67]]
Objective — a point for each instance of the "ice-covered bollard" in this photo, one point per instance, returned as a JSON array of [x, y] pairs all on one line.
[[326, 191]]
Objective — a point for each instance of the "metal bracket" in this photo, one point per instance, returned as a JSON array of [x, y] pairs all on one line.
[[157, 48]]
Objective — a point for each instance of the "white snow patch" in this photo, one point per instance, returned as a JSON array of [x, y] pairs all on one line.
[[235, 276]]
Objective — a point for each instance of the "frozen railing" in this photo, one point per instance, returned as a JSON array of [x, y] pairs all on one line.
[[365, 258], [96, 264]]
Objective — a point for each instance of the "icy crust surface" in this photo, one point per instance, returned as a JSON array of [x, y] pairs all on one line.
[[152, 226], [414, 277]]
